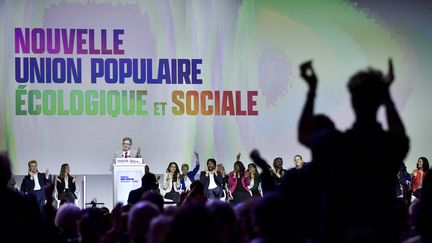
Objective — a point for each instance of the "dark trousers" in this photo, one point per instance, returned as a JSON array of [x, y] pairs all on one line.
[[39, 196], [214, 193]]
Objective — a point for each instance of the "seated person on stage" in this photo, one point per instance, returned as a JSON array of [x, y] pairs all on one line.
[[34, 182], [127, 152], [212, 181], [171, 186], [220, 170], [187, 176], [65, 184]]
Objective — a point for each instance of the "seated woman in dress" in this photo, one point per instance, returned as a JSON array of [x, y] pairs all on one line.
[[171, 186]]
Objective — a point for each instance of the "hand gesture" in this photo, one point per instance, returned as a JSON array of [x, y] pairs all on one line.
[[256, 157], [196, 156], [46, 172], [73, 179], [238, 156], [308, 74], [138, 154], [390, 75]]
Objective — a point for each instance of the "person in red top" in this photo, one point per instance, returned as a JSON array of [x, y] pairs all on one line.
[[418, 174], [238, 182]]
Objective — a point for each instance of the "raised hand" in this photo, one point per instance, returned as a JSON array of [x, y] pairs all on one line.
[[138, 154], [308, 74], [390, 74], [196, 156], [256, 157], [238, 156], [46, 172]]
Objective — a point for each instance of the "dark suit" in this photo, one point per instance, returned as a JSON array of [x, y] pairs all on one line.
[[131, 154], [148, 183], [215, 192], [62, 192], [28, 184]]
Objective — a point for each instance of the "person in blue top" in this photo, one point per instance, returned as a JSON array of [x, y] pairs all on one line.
[[187, 176]]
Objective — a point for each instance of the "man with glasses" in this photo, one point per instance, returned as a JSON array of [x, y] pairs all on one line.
[[127, 152]]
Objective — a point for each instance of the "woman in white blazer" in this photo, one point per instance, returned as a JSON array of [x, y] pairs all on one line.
[[171, 186]]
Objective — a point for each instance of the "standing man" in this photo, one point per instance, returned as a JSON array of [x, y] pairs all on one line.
[[127, 152], [34, 183]]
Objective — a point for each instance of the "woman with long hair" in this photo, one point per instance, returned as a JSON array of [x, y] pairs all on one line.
[[255, 180], [65, 185], [238, 183], [171, 186], [418, 175]]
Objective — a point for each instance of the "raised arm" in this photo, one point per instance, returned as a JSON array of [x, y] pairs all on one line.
[[394, 121], [267, 181], [305, 127]]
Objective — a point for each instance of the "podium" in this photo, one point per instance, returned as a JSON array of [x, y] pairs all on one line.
[[127, 174]]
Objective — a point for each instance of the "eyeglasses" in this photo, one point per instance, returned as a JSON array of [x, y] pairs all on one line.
[[126, 144]]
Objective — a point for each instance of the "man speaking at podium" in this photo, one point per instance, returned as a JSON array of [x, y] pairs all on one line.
[[127, 152]]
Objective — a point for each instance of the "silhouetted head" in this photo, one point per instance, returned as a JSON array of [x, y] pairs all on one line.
[[197, 187], [5, 169], [192, 217], [367, 90], [322, 122], [265, 209], [139, 220], [67, 218], [154, 197]]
